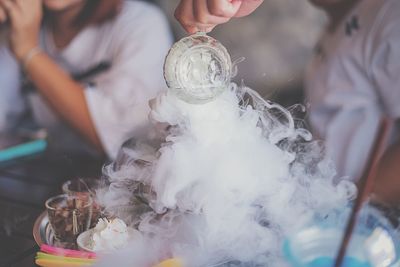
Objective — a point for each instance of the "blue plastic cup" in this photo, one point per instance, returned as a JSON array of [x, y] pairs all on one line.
[[374, 243]]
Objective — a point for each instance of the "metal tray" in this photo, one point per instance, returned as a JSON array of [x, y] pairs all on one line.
[[42, 232]]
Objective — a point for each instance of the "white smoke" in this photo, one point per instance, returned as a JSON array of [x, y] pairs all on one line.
[[232, 178]]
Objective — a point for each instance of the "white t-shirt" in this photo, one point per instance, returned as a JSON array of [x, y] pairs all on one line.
[[134, 44], [354, 80]]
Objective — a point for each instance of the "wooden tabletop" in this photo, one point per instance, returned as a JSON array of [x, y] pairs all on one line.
[[25, 184]]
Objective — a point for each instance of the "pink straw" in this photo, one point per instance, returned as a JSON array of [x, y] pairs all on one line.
[[67, 252]]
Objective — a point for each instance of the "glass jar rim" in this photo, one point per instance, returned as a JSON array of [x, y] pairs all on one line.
[[86, 181], [66, 196]]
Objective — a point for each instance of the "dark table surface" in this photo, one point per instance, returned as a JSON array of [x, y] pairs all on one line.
[[25, 184]]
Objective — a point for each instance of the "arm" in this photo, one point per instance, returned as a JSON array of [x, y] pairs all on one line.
[[118, 103], [204, 15], [63, 93], [12, 104]]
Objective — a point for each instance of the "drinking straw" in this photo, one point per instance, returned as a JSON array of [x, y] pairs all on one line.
[[60, 263], [365, 185], [41, 255], [23, 150], [67, 252], [47, 260]]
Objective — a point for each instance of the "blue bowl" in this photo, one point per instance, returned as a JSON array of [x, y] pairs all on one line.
[[374, 242]]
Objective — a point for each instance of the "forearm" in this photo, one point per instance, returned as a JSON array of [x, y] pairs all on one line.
[[247, 7], [63, 94], [387, 183]]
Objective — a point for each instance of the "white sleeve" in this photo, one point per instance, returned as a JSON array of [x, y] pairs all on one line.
[[119, 102], [385, 63], [11, 100]]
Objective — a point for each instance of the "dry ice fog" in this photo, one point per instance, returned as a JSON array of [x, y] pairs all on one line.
[[230, 180]]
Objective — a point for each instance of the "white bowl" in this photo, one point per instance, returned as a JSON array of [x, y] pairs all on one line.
[[85, 239]]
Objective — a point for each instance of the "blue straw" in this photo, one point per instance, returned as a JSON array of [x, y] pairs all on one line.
[[23, 150]]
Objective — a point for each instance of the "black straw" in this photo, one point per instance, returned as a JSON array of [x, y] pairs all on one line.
[[365, 185]]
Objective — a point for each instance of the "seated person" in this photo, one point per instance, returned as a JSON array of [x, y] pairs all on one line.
[[85, 68]]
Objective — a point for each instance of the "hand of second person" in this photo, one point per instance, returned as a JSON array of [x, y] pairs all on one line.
[[25, 17], [204, 15]]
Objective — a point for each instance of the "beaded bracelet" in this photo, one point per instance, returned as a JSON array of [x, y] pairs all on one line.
[[29, 56]]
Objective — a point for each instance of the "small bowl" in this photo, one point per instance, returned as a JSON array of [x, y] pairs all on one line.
[[85, 243], [374, 242]]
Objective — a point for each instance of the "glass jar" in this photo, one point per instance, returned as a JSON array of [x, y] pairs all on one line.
[[197, 68]]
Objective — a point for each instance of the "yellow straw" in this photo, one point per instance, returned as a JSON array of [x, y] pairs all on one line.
[[60, 263], [171, 263], [47, 260], [41, 255]]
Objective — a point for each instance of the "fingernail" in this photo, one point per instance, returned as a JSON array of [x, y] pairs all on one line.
[[192, 30]]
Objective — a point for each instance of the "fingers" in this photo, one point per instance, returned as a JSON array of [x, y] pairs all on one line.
[[200, 14], [223, 8], [20, 8], [11, 8], [184, 14], [28, 6], [204, 15], [3, 15]]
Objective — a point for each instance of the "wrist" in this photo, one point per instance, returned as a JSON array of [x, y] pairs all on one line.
[[21, 51], [26, 59]]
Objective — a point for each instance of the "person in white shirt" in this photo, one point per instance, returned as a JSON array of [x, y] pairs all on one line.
[[353, 81], [94, 66]]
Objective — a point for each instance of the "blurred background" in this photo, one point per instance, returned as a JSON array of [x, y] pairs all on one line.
[[276, 41]]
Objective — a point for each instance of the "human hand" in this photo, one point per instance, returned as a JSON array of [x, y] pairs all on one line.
[[204, 15], [25, 18], [3, 16]]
